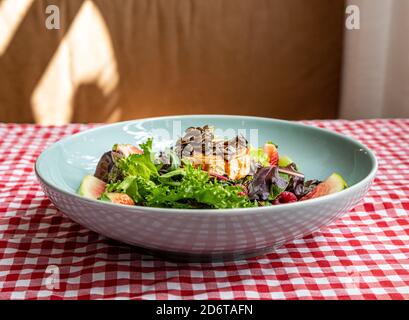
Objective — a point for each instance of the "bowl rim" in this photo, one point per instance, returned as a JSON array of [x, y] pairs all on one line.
[[352, 189]]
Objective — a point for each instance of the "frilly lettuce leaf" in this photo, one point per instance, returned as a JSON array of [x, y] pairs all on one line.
[[186, 187], [197, 187], [141, 165]]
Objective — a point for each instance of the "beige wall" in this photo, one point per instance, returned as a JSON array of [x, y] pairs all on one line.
[[115, 60], [376, 64]]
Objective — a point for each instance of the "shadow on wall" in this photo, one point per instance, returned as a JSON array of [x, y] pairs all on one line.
[[90, 104], [59, 62], [111, 61], [56, 76], [26, 57]]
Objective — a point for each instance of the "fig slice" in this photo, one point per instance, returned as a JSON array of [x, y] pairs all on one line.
[[126, 149], [119, 198], [334, 183], [104, 166], [106, 169], [91, 187]]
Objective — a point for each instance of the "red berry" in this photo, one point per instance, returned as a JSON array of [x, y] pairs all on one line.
[[285, 197]]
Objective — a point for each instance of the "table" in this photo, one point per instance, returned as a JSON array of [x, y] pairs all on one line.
[[363, 255]]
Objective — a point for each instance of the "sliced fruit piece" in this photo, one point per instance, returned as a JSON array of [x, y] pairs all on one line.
[[284, 161], [126, 149], [334, 183], [91, 187], [119, 198], [272, 153]]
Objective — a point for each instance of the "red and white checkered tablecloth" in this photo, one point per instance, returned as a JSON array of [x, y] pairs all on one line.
[[363, 255]]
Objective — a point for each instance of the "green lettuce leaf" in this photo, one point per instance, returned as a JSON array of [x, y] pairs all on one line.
[[139, 164], [197, 186], [259, 156], [184, 187], [137, 187]]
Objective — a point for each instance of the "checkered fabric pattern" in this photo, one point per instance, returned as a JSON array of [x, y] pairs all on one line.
[[363, 255]]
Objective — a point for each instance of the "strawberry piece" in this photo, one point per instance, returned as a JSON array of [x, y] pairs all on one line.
[[286, 197], [272, 153]]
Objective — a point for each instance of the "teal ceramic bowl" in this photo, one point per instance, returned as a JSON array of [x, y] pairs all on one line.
[[207, 234]]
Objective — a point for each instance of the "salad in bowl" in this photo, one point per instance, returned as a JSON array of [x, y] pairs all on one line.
[[210, 192], [203, 171]]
